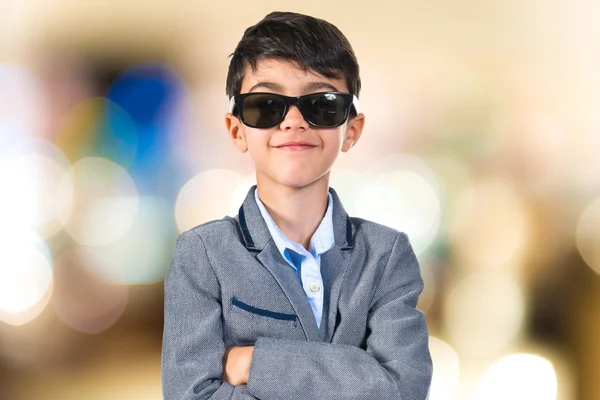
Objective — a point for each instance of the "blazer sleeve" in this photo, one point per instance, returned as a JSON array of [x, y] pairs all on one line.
[[193, 348], [396, 363]]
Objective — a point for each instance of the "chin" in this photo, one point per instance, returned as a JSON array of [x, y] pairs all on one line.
[[298, 181], [295, 183]]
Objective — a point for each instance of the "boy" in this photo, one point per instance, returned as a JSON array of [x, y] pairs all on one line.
[[292, 298]]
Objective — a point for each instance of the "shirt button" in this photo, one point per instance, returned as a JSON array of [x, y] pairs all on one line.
[[314, 287]]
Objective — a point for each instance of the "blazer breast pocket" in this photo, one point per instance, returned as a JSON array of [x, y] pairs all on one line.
[[247, 322]]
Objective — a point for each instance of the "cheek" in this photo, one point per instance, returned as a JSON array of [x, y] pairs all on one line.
[[257, 141], [335, 140]]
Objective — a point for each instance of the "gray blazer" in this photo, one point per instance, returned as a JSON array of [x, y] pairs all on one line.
[[228, 285]]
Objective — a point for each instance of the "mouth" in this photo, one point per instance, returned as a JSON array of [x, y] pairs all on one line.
[[295, 146]]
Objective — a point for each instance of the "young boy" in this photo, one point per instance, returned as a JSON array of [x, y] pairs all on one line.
[[292, 298]]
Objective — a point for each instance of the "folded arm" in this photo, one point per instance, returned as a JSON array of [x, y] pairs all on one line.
[[193, 348], [395, 364]]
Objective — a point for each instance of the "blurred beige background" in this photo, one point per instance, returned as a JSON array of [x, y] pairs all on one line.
[[482, 143]]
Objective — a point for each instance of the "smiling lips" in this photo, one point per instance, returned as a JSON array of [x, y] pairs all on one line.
[[295, 146]]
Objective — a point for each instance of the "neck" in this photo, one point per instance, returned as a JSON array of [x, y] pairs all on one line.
[[296, 211]]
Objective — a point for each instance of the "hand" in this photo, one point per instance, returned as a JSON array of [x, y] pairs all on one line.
[[236, 364]]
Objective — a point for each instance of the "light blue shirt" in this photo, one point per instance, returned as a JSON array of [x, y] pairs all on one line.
[[306, 263]]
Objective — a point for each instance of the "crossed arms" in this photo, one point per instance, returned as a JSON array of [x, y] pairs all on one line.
[[395, 363]]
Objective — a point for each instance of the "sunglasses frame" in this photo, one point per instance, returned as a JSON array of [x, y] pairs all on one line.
[[289, 101]]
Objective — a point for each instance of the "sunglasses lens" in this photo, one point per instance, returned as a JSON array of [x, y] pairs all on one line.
[[325, 109], [262, 110]]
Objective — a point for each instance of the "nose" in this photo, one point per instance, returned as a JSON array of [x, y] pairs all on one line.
[[293, 120]]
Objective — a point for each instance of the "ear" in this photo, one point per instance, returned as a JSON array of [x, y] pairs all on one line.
[[353, 131], [236, 133]]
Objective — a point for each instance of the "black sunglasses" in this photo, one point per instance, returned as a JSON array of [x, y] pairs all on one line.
[[266, 110]]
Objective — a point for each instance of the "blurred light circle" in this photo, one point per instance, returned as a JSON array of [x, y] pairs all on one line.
[[446, 370], [484, 313], [98, 127], [240, 193], [519, 377], [454, 177], [29, 184], [489, 225], [588, 235], [403, 200], [19, 201], [25, 277], [142, 255], [583, 166], [105, 201], [38, 168], [205, 197], [407, 162], [82, 300]]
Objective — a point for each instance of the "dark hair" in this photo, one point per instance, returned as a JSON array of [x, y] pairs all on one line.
[[314, 44]]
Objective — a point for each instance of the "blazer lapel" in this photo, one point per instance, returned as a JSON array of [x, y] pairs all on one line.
[[257, 238], [286, 277], [334, 262]]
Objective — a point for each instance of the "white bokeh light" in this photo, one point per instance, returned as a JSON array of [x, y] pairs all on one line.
[[142, 255], [518, 377], [446, 370], [29, 184], [25, 276], [205, 197], [105, 201], [405, 200], [18, 204], [240, 193]]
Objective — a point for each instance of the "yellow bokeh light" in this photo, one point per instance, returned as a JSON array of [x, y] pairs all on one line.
[[490, 226], [98, 126], [484, 313], [588, 235]]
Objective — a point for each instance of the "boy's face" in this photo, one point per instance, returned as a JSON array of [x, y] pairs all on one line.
[[310, 152]]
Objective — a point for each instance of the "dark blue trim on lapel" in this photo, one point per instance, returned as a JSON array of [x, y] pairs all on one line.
[[245, 231], [255, 233], [349, 236]]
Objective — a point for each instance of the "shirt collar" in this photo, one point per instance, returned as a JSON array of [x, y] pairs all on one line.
[[321, 241]]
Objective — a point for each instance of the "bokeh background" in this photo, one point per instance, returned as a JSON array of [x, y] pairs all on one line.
[[482, 143]]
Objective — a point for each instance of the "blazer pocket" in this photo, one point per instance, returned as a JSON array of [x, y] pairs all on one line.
[[235, 302]]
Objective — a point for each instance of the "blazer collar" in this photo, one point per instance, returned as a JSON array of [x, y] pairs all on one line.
[[256, 235]]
